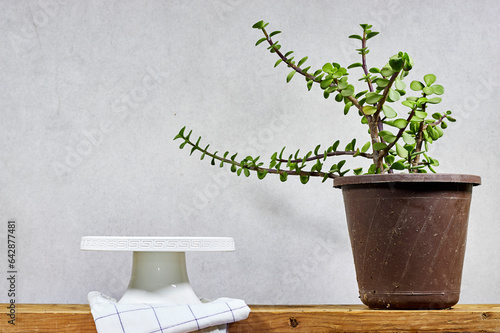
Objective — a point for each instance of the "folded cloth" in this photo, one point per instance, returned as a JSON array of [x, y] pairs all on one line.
[[112, 317]]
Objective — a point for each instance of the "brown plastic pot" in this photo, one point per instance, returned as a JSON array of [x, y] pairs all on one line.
[[408, 235]]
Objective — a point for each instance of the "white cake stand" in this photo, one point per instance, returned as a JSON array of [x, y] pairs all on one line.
[[159, 273]]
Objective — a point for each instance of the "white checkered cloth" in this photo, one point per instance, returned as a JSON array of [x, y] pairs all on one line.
[[112, 317]]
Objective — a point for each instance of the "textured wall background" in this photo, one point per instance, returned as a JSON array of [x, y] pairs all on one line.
[[92, 93]]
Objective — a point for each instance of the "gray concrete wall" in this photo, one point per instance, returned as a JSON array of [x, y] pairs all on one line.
[[92, 93]]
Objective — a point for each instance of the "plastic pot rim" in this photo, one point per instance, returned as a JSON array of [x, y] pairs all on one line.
[[407, 178]]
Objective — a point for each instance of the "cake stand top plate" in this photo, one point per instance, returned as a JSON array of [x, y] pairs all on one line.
[[157, 244]]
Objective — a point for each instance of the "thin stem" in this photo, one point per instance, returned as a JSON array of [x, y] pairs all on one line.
[[380, 103], [401, 131], [420, 137], [257, 168], [418, 146], [334, 153], [437, 122], [354, 101], [364, 66]]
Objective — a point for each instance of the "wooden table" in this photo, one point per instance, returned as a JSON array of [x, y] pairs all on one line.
[[55, 318]]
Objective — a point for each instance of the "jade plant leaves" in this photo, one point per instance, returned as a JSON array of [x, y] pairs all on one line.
[[398, 136]]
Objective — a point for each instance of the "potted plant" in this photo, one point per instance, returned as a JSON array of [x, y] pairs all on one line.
[[408, 229]]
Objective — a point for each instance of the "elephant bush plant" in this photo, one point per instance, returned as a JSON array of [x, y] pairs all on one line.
[[399, 131]]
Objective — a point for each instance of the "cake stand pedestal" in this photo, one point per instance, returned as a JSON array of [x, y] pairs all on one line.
[[159, 273]]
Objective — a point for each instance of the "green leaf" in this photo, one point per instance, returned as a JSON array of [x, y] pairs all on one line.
[[260, 41], [372, 169], [400, 123], [421, 114], [393, 95], [326, 83], [358, 171], [402, 152], [408, 138], [283, 176], [275, 47], [408, 103], [356, 64], [347, 107], [416, 85], [246, 172], [438, 89], [301, 61], [341, 164], [382, 83], [296, 157], [372, 97], [428, 90], [290, 75], [374, 70], [309, 85], [261, 174], [369, 110], [386, 71], [371, 34], [435, 100], [181, 134], [343, 83], [389, 159], [389, 112], [348, 91], [192, 150], [325, 177], [274, 33], [304, 179], [258, 25], [356, 37], [335, 145], [398, 166], [399, 84], [328, 68], [436, 115], [379, 146], [233, 168], [366, 146], [361, 93], [387, 136], [278, 62], [316, 150], [429, 79], [396, 64]]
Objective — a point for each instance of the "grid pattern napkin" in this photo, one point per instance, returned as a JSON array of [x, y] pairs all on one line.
[[112, 317]]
